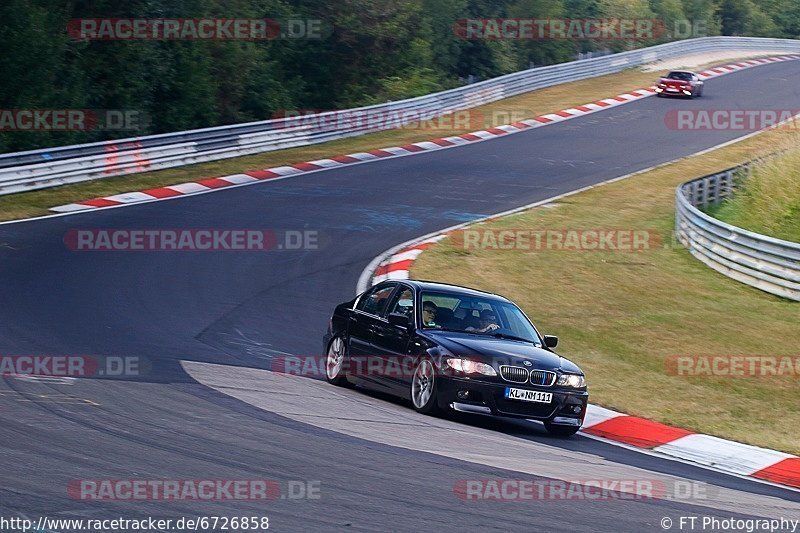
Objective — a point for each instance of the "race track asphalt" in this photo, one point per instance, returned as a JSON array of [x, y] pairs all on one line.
[[241, 309]]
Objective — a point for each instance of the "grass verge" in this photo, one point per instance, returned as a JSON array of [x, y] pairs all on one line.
[[36, 203], [768, 202], [621, 315]]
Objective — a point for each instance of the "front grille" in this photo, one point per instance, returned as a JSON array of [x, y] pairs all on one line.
[[514, 374], [543, 378]]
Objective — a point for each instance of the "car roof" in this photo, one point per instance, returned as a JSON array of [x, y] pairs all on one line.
[[423, 285], [683, 71]]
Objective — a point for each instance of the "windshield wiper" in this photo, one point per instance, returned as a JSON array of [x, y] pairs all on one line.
[[460, 331], [512, 337], [489, 334]]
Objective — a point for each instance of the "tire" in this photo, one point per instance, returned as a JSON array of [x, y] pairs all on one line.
[[700, 93], [561, 431], [423, 387], [335, 372]]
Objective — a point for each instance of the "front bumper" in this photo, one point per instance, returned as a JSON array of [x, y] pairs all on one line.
[[482, 395], [676, 92]]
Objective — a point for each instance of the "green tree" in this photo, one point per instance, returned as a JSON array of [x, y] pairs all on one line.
[[548, 51], [671, 19], [743, 17], [702, 15], [786, 15], [40, 68], [626, 10]]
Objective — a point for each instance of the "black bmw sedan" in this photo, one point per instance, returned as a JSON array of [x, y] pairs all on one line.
[[448, 347]]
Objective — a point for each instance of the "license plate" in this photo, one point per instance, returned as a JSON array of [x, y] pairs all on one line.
[[528, 395], [671, 90]]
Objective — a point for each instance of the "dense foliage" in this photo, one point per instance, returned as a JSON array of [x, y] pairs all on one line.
[[377, 50]]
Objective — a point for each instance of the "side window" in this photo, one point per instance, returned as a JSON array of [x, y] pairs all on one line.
[[403, 302], [374, 302]]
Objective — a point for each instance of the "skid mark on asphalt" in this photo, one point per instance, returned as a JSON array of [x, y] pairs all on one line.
[[355, 414], [574, 163], [55, 380], [402, 216], [306, 191], [250, 346]]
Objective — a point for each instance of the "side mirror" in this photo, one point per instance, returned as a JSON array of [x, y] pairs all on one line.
[[551, 341], [399, 319]]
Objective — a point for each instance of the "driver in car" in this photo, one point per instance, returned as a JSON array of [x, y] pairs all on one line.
[[488, 322], [429, 313]]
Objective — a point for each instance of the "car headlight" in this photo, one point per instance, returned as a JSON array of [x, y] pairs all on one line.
[[468, 366], [571, 380]]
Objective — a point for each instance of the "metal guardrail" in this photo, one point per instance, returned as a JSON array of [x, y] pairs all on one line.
[[36, 169], [763, 262]]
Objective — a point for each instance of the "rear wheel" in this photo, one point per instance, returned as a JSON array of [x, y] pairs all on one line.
[[561, 431], [423, 387], [335, 363]]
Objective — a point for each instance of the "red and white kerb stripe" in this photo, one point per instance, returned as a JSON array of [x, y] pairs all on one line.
[[725, 455]]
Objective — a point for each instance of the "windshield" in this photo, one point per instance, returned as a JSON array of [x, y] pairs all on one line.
[[685, 76], [476, 315]]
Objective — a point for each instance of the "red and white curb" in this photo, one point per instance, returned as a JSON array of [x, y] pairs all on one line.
[[250, 177], [720, 454]]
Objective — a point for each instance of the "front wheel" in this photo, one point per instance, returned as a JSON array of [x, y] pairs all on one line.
[[423, 387], [335, 363], [561, 431]]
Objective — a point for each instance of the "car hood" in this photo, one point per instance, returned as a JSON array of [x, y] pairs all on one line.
[[502, 351]]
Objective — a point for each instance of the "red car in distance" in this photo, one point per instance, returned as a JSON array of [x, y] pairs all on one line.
[[680, 83]]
